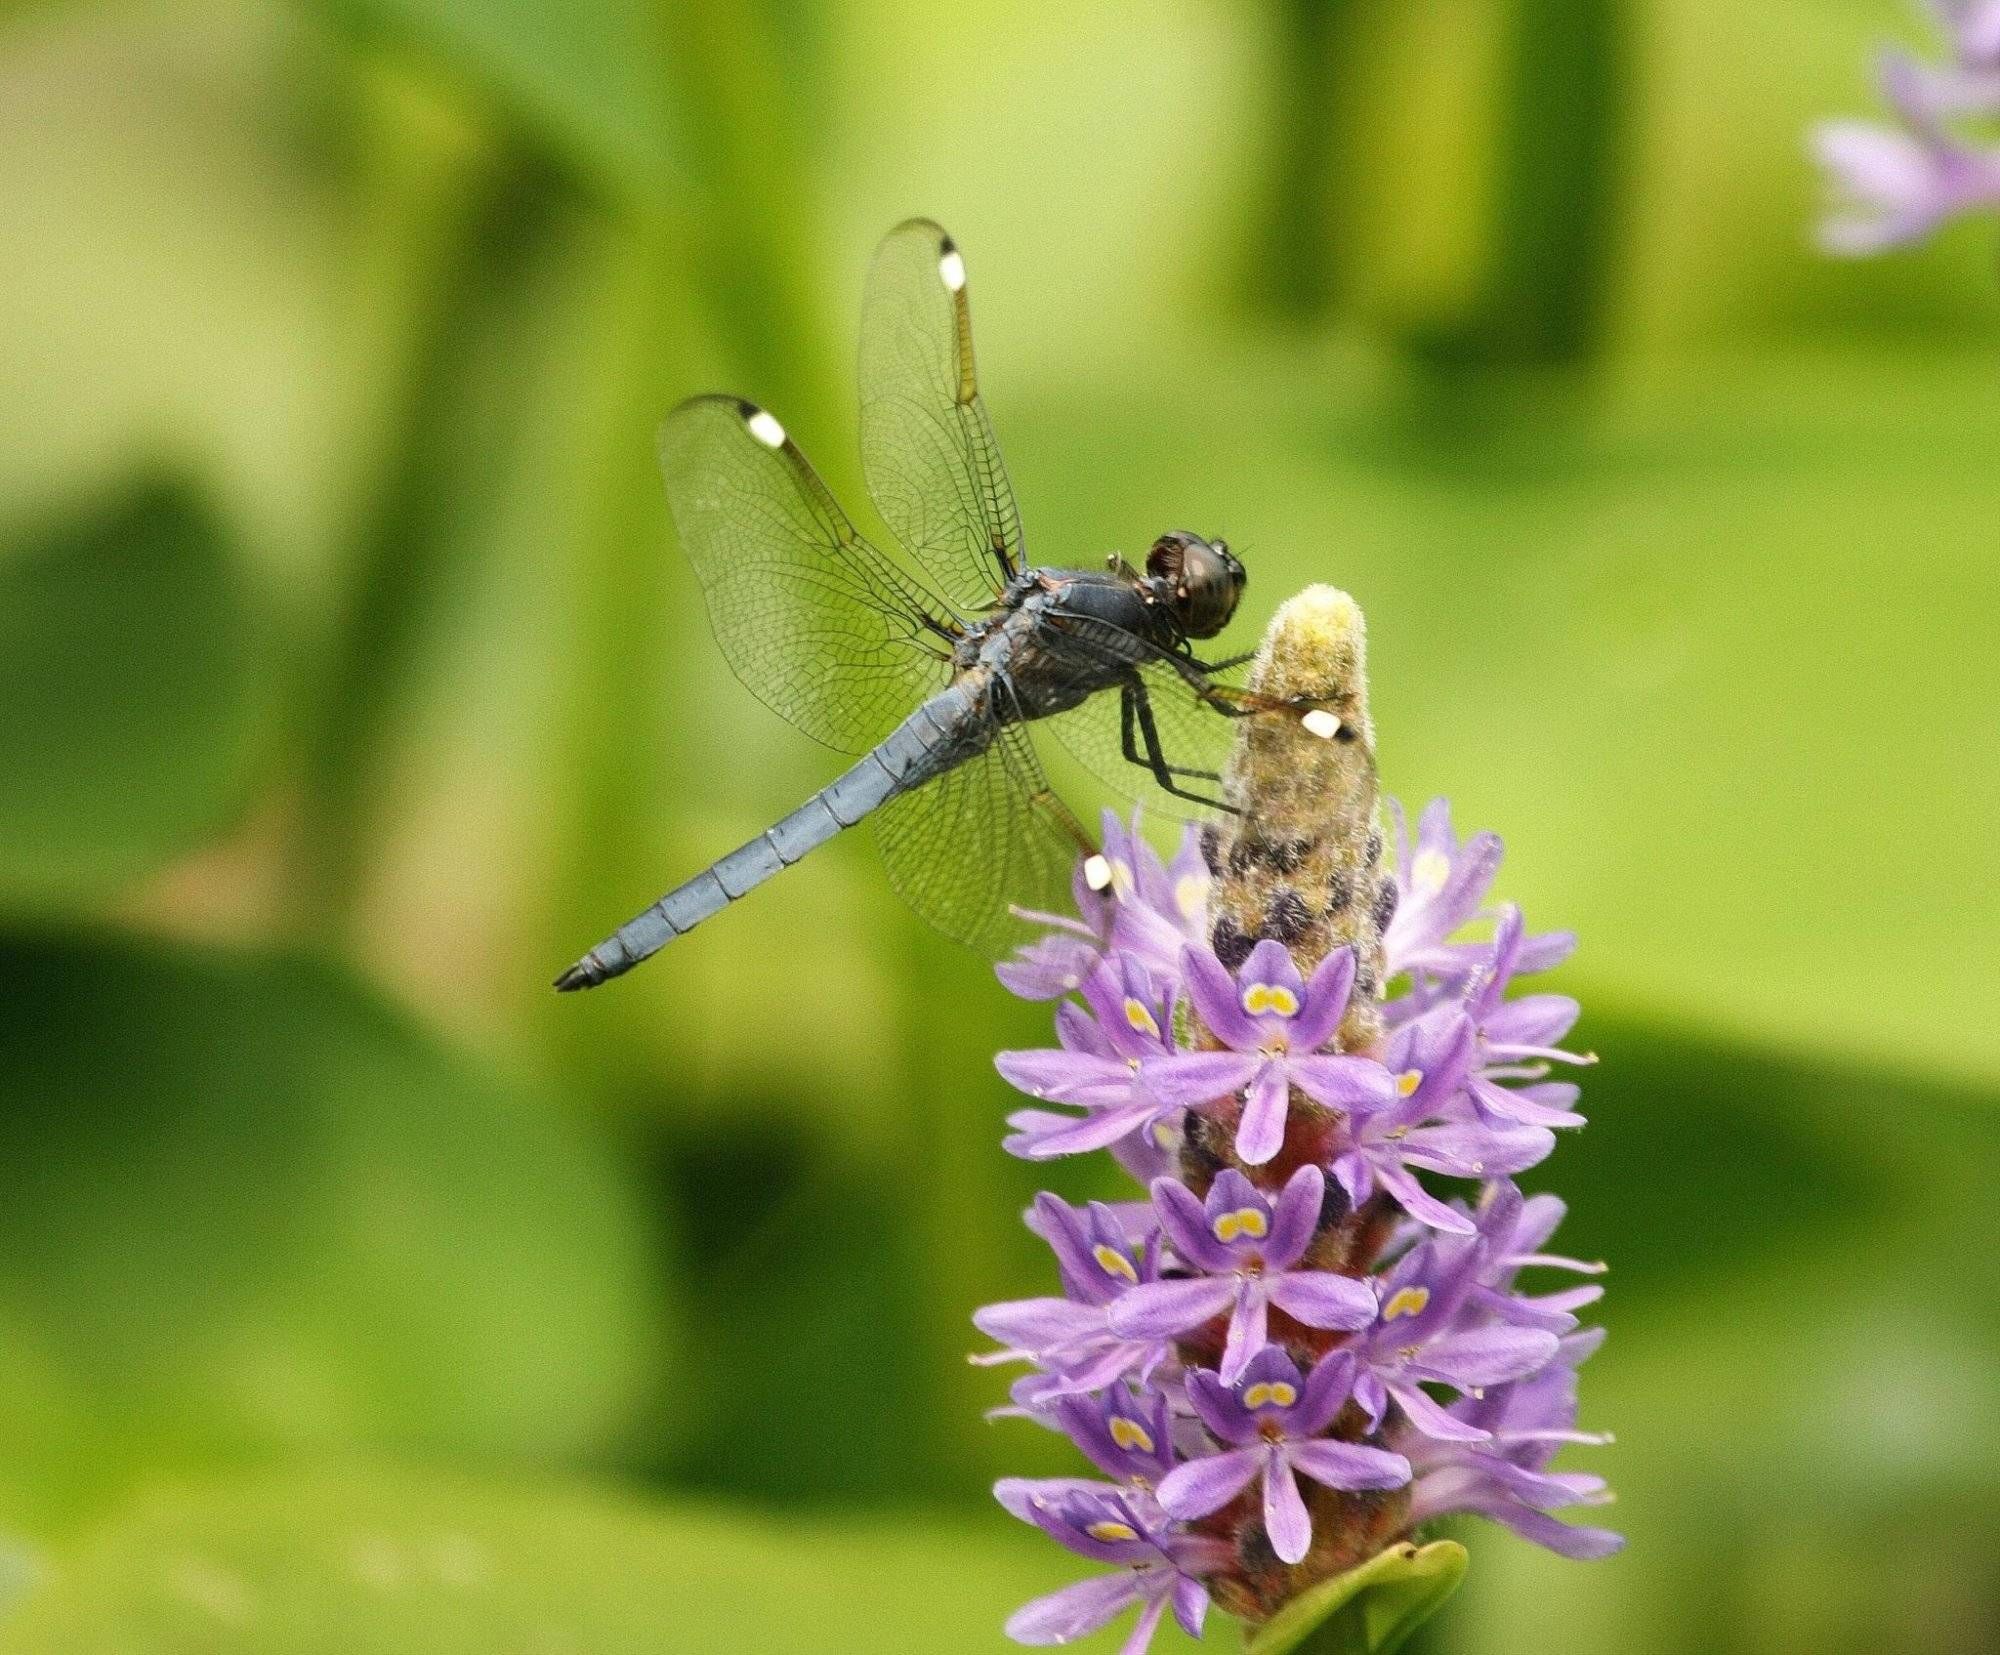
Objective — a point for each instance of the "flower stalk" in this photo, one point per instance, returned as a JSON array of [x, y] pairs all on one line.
[[1304, 1338]]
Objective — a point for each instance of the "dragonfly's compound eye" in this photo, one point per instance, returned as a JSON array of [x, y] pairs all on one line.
[[1205, 580]]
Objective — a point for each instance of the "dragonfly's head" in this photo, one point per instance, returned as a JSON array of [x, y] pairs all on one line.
[[1200, 578]]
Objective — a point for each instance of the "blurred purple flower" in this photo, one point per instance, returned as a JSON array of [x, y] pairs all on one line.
[[1893, 185], [1458, 1087]]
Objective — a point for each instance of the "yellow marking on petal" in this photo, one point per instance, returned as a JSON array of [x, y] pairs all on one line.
[[1406, 1301], [1123, 882], [1259, 998], [1164, 1135], [1244, 1221], [1191, 894], [1112, 1262], [1130, 1434], [1108, 1530], [1271, 1393], [1140, 1018], [1429, 871], [1408, 1081]]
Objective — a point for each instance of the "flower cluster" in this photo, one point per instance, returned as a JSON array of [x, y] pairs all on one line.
[[1896, 184], [1291, 1351]]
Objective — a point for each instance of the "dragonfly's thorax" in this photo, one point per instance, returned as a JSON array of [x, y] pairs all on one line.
[[1043, 646]]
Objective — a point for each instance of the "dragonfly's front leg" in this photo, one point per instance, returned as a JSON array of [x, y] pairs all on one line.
[[1135, 716]]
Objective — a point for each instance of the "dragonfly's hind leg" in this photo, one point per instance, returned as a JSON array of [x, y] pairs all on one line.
[[1135, 716]]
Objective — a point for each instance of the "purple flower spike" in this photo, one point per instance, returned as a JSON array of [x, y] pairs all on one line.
[[1272, 1418], [1247, 1246], [1156, 1569], [1460, 1383], [1273, 1021]]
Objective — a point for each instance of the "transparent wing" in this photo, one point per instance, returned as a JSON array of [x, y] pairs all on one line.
[[820, 626], [1174, 768], [927, 448], [962, 848]]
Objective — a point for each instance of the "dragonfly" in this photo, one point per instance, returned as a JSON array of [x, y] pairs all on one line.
[[932, 668]]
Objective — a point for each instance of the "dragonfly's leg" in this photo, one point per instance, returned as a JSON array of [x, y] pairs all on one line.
[[1227, 662], [1135, 709]]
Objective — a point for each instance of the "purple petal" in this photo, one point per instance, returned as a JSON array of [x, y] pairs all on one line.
[[1019, 1495], [1294, 1218], [1212, 992], [1162, 1309], [1324, 1391], [1320, 1298], [1248, 1330], [1038, 1324], [1190, 1604], [1285, 1519], [1487, 1355], [1215, 1405], [1433, 1420], [1201, 1486], [1148, 1623], [1048, 969], [1261, 1133], [1325, 1001], [1189, 1079], [1353, 1174], [1343, 1082], [1185, 1221], [1048, 1136], [1074, 1612], [1067, 1077], [1270, 962], [1411, 1197], [1348, 1465]]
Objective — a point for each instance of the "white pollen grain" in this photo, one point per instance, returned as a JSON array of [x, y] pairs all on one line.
[[1096, 872], [952, 268], [765, 428], [1321, 723]]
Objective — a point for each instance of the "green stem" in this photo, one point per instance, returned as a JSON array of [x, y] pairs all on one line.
[[440, 453]]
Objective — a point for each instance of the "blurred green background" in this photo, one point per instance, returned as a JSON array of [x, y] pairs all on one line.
[[357, 1294]]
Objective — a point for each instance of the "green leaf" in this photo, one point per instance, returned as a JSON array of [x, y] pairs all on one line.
[[129, 708], [1369, 1610], [245, 1208], [375, 1562]]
